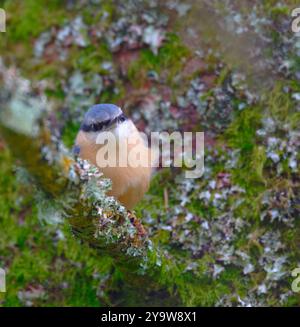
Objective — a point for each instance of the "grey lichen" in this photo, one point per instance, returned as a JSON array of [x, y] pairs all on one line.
[[72, 189]]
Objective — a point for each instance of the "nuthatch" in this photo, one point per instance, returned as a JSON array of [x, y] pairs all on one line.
[[129, 183]]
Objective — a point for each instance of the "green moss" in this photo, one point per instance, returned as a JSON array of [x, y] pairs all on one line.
[[241, 135], [69, 133], [223, 76], [27, 19], [68, 270], [277, 12], [34, 256], [280, 106], [90, 58], [270, 7], [154, 199], [113, 94], [167, 63]]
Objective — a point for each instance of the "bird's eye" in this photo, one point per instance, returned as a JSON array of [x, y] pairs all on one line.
[[94, 127], [122, 119], [98, 126]]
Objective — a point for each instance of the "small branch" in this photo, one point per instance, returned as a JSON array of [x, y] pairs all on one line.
[[95, 218]]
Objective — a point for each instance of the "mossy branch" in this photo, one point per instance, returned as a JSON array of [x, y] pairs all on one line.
[[95, 218]]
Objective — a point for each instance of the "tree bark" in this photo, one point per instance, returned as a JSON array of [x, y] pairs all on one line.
[[95, 219]]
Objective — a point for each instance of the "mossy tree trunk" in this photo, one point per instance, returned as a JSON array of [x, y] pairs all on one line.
[[94, 218]]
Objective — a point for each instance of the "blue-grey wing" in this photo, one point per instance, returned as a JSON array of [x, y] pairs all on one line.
[[76, 150]]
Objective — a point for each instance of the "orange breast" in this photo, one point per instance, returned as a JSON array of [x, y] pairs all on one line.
[[129, 184]]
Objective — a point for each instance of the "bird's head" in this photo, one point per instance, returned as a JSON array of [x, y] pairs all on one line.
[[102, 118]]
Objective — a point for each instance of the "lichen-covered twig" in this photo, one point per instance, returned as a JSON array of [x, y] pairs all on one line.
[[94, 217]]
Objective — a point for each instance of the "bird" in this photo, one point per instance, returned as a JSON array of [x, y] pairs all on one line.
[[129, 183]]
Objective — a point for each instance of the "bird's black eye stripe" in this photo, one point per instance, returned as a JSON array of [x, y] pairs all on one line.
[[98, 126], [85, 127], [93, 127], [106, 123]]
